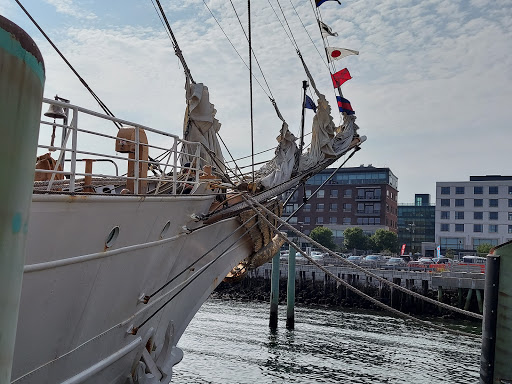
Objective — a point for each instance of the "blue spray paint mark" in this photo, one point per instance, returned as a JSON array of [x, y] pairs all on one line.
[[16, 222]]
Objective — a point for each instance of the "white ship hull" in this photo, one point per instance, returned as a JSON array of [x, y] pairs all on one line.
[[80, 298]]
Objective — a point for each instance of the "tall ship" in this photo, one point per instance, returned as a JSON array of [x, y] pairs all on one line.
[[130, 228]]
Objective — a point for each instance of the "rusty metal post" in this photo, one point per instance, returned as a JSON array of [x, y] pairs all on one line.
[[22, 79]]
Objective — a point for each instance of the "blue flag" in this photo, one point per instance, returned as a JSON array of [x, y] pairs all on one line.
[[320, 2], [310, 104]]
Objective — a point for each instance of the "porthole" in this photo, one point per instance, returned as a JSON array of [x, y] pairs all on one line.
[[165, 229], [112, 237]]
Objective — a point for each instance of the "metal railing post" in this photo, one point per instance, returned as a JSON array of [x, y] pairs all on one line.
[[175, 165], [137, 160], [74, 136]]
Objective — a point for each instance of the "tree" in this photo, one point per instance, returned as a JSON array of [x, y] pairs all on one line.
[[355, 238], [323, 236], [484, 248], [385, 240]]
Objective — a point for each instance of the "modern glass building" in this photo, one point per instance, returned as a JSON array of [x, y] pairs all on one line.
[[416, 223], [469, 213]]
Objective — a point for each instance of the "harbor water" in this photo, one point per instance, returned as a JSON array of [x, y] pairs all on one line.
[[230, 342]]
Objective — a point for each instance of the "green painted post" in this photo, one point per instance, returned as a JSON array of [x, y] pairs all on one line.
[[503, 349], [22, 79], [459, 297], [290, 292], [479, 301], [274, 292], [468, 299]]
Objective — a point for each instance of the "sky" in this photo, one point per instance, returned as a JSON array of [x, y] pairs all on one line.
[[431, 87]]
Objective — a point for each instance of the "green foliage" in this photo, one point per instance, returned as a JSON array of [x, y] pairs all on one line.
[[484, 248], [384, 240], [449, 253], [324, 236], [355, 238]]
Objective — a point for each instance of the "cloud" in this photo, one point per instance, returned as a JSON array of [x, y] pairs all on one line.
[[67, 7]]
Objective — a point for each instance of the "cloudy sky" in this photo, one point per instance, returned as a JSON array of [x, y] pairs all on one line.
[[432, 86]]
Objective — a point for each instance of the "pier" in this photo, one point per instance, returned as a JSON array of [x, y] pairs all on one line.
[[462, 287]]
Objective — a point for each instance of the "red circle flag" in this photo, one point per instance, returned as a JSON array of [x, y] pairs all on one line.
[[335, 53]]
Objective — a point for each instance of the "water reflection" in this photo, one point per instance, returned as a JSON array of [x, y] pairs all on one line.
[[230, 342]]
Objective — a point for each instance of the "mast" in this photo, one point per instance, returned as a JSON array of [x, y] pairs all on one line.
[[301, 143], [175, 45]]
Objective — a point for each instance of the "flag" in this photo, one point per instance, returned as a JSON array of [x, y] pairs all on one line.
[[339, 53], [438, 251], [326, 30], [320, 2], [310, 104], [344, 105], [403, 250], [340, 77]]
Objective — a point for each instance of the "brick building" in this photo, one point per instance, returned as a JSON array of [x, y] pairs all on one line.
[[364, 197]]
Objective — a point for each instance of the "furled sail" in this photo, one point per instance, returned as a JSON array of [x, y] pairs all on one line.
[[201, 126]]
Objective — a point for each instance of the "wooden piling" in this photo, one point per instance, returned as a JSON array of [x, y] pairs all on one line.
[[468, 299], [274, 291], [290, 291], [479, 300]]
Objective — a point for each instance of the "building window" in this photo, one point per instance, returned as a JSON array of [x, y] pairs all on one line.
[[307, 220], [510, 203], [478, 228], [445, 227], [459, 215], [288, 208], [347, 193], [493, 215], [478, 202], [477, 242], [307, 208], [459, 190], [445, 202], [347, 207], [510, 229], [493, 202], [493, 190], [293, 220], [333, 220], [333, 207], [334, 193], [377, 220], [445, 190], [478, 215], [321, 194], [445, 215], [478, 190], [320, 220], [510, 216], [346, 220], [459, 202], [319, 207], [493, 228], [308, 192], [459, 227], [510, 190]]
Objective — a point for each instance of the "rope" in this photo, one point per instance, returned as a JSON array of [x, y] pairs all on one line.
[[354, 289], [361, 269], [94, 95], [147, 297], [190, 280], [232, 45]]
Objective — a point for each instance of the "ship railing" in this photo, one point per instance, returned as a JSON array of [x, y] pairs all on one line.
[[95, 142]]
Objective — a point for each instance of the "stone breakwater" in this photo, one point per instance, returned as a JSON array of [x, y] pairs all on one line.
[[321, 289]]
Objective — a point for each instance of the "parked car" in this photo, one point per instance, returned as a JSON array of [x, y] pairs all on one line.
[[315, 255], [426, 261], [373, 261], [355, 259], [395, 263], [442, 260]]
